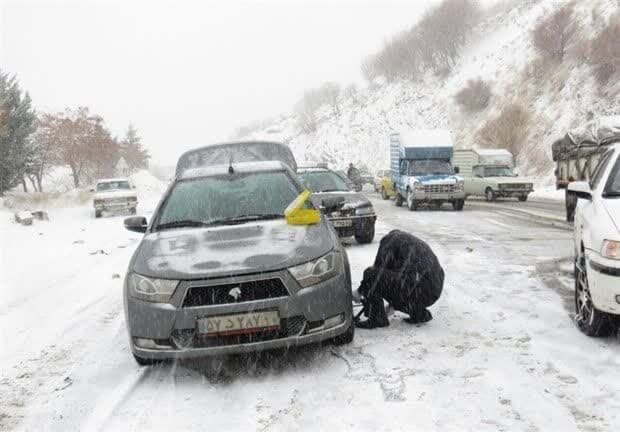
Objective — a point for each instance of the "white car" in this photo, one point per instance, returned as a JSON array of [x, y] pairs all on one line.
[[597, 247], [114, 195]]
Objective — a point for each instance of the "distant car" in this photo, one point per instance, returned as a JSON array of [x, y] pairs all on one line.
[[367, 178], [597, 246], [114, 196], [235, 260], [383, 184], [355, 218]]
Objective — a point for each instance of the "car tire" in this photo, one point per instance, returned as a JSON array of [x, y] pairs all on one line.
[[588, 318], [411, 204], [458, 205], [365, 236], [384, 194], [522, 198], [145, 361], [398, 200], [97, 214], [489, 195], [347, 337]]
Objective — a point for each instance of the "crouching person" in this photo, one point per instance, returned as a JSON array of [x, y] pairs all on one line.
[[406, 274]]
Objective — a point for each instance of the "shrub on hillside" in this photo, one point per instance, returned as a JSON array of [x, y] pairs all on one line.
[[605, 51], [509, 130], [475, 96], [329, 93], [553, 33], [433, 43]]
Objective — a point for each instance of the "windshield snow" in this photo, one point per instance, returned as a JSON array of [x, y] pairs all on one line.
[[110, 186], [429, 167], [498, 172], [227, 197], [323, 181]]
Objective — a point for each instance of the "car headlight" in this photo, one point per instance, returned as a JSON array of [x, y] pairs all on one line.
[[319, 270], [149, 289], [418, 187], [460, 186], [363, 211], [611, 249]]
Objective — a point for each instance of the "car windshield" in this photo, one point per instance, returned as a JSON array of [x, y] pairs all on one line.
[[498, 172], [323, 181], [429, 167], [113, 185], [207, 200], [613, 184]]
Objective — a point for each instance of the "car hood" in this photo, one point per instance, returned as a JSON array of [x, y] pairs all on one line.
[[351, 199], [255, 247], [612, 206], [509, 180], [115, 194]]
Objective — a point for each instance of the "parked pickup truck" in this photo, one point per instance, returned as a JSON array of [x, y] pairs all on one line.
[[114, 195], [422, 171], [490, 174]]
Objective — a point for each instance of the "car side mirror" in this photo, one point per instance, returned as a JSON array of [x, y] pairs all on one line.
[[136, 224], [581, 189], [457, 170], [330, 205]]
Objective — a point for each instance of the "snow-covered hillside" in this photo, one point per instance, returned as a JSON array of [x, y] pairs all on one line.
[[499, 51]]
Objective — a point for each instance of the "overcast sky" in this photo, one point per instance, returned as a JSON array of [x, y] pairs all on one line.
[[187, 73]]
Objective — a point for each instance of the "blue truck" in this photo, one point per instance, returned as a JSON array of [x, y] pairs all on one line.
[[422, 171]]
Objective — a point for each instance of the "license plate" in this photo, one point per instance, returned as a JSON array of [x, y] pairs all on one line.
[[342, 223], [246, 323]]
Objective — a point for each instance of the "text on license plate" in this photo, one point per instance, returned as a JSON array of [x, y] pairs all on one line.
[[342, 223], [239, 324]]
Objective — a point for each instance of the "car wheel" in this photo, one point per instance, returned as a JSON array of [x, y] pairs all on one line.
[[145, 361], [398, 200], [345, 338], [97, 213], [411, 204], [523, 198], [590, 320], [384, 194], [570, 200], [489, 195], [365, 235], [458, 204]]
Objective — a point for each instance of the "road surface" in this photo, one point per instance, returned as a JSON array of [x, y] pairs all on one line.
[[501, 354]]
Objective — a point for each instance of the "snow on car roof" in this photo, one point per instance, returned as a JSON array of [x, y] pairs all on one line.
[[425, 138], [241, 167], [312, 169], [111, 180], [599, 132]]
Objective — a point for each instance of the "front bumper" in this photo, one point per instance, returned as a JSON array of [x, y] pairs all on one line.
[[512, 193], [604, 282], [347, 226], [302, 313], [116, 206], [438, 196]]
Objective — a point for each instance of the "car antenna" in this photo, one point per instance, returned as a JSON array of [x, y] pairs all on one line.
[[230, 167]]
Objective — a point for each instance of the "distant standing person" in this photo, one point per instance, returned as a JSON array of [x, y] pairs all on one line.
[[354, 175], [406, 274]]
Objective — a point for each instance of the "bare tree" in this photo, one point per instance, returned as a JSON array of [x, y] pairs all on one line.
[[553, 34], [475, 96], [509, 130], [605, 51], [329, 92]]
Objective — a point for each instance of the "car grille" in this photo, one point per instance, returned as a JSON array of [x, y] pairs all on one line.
[[291, 326], [234, 293], [438, 188], [514, 186]]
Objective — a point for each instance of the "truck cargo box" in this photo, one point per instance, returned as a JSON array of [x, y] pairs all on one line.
[[499, 157]]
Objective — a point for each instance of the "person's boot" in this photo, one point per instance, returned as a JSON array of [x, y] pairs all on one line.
[[419, 317], [370, 324]]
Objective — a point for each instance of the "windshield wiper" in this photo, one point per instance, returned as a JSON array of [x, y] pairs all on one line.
[[244, 218], [185, 223]]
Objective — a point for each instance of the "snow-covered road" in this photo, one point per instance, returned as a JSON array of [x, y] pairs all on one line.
[[501, 354]]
